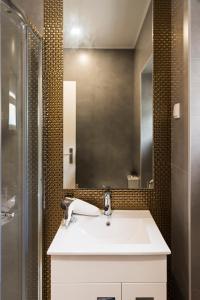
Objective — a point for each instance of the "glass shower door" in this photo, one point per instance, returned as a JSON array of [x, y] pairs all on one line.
[[21, 157], [12, 154]]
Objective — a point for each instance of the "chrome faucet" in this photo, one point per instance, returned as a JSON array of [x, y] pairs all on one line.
[[107, 202], [65, 203]]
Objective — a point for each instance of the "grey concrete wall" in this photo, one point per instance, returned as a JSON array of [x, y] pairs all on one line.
[[143, 51], [34, 10], [195, 147], [105, 147], [186, 149], [179, 156]]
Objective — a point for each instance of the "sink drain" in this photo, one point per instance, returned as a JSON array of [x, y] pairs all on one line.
[[108, 223]]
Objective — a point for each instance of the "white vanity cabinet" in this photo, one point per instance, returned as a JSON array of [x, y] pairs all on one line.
[[126, 260], [108, 277]]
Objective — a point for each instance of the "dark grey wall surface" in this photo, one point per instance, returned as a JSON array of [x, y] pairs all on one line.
[[186, 149], [105, 148], [195, 147], [179, 156], [143, 51]]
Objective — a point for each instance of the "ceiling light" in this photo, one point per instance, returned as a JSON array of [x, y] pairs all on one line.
[[83, 58], [12, 115], [12, 95], [13, 47], [76, 31]]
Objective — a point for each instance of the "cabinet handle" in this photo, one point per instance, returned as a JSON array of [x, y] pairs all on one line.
[[144, 298], [105, 298]]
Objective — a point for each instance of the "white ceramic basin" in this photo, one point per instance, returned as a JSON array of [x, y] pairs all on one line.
[[125, 232], [116, 229]]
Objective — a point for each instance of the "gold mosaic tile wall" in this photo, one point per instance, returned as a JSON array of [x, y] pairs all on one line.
[[157, 200]]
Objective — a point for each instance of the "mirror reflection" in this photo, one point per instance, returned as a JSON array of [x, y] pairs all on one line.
[[108, 94]]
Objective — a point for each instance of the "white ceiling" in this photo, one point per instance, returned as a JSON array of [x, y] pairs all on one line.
[[108, 24]]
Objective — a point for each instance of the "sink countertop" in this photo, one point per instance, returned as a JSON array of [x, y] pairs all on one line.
[[125, 232]]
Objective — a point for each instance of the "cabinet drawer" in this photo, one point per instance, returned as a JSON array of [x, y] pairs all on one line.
[[86, 291], [73, 269], [144, 291]]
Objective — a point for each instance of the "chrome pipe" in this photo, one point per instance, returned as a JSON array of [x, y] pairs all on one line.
[[19, 13], [14, 8]]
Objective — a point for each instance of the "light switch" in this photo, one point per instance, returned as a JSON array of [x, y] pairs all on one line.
[[176, 111]]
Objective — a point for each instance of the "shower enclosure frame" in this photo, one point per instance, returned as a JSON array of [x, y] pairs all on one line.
[[27, 28]]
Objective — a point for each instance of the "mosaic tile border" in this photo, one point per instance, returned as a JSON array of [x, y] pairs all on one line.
[[158, 201]]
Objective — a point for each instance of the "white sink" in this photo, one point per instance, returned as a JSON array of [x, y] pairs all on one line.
[[125, 232], [116, 229]]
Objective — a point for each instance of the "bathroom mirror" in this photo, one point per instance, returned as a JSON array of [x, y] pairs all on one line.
[[108, 94]]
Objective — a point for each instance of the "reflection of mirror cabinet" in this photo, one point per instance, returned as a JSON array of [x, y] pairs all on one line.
[[108, 94], [146, 125]]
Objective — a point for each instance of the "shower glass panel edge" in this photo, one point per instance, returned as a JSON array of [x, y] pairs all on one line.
[[34, 169]]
